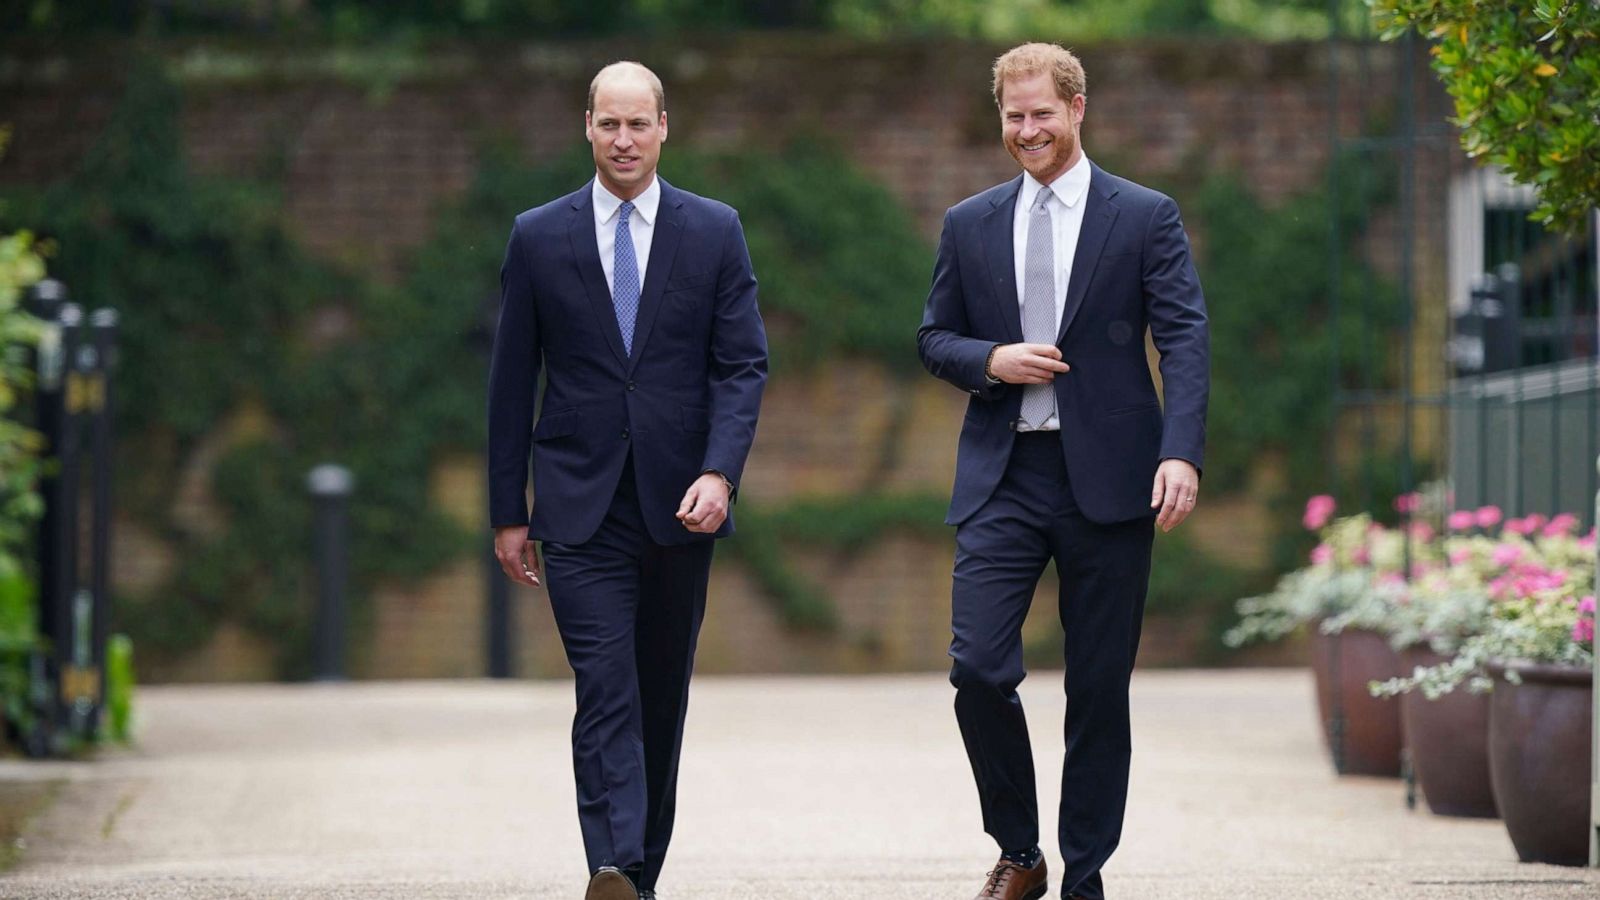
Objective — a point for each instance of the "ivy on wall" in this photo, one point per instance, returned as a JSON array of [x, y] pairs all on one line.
[[220, 318], [246, 362]]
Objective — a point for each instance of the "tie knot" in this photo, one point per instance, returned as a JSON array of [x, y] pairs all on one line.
[[625, 210]]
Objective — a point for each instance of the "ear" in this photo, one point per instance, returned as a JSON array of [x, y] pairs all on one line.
[[663, 125], [1079, 103], [588, 126]]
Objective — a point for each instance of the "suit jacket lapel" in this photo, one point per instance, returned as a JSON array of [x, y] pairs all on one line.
[[586, 251], [663, 250], [996, 228], [1098, 215]]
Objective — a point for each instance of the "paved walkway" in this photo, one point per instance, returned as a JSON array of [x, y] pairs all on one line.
[[792, 788]]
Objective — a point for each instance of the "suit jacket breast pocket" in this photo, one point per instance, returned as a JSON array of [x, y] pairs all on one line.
[[689, 282]]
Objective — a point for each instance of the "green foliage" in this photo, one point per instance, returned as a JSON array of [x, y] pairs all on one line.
[[359, 20], [367, 20], [19, 641], [1082, 21], [117, 719], [218, 304], [1268, 277], [767, 539], [1525, 78], [20, 505]]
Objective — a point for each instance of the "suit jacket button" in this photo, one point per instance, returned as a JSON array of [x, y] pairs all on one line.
[[631, 385], [624, 434]]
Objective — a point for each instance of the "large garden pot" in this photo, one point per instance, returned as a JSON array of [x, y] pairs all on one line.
[[1449, 741], [1539, 735], [1362, 731]]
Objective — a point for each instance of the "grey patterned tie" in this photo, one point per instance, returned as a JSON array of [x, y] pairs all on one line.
[[625, 278], [1039, 306]]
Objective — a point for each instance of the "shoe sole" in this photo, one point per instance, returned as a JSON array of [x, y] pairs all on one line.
[[1038, 893], [610, 886]]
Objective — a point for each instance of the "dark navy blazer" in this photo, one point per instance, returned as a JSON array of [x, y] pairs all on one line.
[[685, 401], [1131, 271]]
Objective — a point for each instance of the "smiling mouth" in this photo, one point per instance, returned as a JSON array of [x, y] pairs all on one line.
[[1032, 148], [624, 160]]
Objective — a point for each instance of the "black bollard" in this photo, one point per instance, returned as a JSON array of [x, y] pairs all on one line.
[[63, 611], [331, 486], [103, 331]]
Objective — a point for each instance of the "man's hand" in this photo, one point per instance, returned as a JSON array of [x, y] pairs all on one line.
[[1176, 489], [1027, 363], [705, 504], [518, 556]]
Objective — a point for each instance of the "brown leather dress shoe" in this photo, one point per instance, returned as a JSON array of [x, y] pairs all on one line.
[[610, 884], [1009, 881]]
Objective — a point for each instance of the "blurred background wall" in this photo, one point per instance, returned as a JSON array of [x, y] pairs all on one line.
[[305, 234]]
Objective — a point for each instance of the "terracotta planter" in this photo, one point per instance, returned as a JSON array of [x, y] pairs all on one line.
[[1362, 731], [1449, 742], [1539, 734]]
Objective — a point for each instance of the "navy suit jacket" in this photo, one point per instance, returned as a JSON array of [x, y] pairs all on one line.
[[1131, 271], [684, 401]]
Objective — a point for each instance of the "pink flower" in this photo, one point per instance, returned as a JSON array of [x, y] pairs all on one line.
[[1519, 526], [1321, 554], [1459, 556], [1460, 520], [1422, 531], [1408, 503], [1587, 541], [1583, 631], [1534, 521], [1362, 556], [1560, 525], [1506, 554], [1487, 516], [1319, 510]]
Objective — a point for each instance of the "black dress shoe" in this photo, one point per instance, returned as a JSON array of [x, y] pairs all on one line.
[[610, 884]]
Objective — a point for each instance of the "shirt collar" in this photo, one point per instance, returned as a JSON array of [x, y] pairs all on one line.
[[606, 203], [1069, 187]]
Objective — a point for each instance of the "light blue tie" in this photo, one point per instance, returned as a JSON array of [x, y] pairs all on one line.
[[625, 278]]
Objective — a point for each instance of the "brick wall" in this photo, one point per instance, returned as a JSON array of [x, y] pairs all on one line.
[[364, 170]]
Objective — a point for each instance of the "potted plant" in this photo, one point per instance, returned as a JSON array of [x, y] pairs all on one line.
[[1339, 598], [1534, 653]]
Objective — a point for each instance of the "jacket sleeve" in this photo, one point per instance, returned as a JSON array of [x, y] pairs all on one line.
[[513, 383], [738, 366], [944, 341], [1177, 314]]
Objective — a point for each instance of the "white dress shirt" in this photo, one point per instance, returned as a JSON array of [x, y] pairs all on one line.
[[1066, 222], [641, 227]]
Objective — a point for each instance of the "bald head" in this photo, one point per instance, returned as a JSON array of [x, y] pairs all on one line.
[[627, 73]]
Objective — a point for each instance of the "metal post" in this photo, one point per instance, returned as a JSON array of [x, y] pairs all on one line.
[[103, 328], [80, 677], [331, 486], [1594, 738], [498, 639], [61, 607]]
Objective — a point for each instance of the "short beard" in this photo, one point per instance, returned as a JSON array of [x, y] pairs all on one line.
[[1062, 151]]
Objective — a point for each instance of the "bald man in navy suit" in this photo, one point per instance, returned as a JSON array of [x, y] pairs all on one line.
[[637, 302]]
